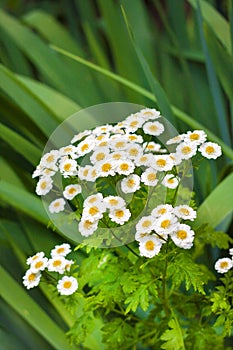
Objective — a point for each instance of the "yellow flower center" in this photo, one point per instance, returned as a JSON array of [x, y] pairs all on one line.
[[60, 250], [181, 234], [151, 176], [209, 149], [130, 183], [56, 204], [113, 201], [162, 211], [72, 190], [171, 181], [133, 152], [87, 224], [119, 144], [100, 156], [100, 137], [43, 185], [104, 143], [50, 158], [184, 211], [194, 137], [134, 123], [124, 166], [153, 128], [106, 167], [85, 172], [31, 277], [38, 264], [67, 149], [149, 245], [92, 200], [84, 147], [117, 156], [148, 113], [186, 149], [146, 223], [93, 211], [224, 264], [165, 223], [143, 159], [119, 213], [132, 137], [56, 263], [161, 162], [67, 284], [67, 166]]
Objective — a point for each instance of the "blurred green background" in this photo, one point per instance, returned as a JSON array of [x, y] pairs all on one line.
[[60, 56]]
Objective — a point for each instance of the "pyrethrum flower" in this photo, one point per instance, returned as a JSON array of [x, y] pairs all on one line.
[[144, 159], [71, 191], [183, 236], [185, 212], [186, 150], [196, 136], [99, 155], [68, 167], [162, 209], [80, 135], [44, 185], [153, 128], [69, 150], [210, 150], [223, 265], [145, 224], [166, 224], [162, 163], [125, 167], [39, 265], [93, 212], [149, 246], [170, 181], [106, 168], [120, 216], [151, 147], [149, 113], [114, 202], [57, 205], [31, 279], [176, 139], [87, 227], [149, 177], [62, 249], [86, 146], [57, 264], [49, 159], [67, 285], [35, 257], [130, 184], [94, 199]]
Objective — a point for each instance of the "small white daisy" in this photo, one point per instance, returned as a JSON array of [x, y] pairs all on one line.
[[71, 191], [103, 129], [149, 113], [49, 159], [83, 172], [62, 249], [49, 172], [114, 202], [80, 135], [86, 146], [134, 138], [57, 205], [120, 216], [139, 236], [162, 163], [196, 136], [119, 144], [144, 159], [162, 209], [183, 236], [210, 150], [186, 150], [153, 128], [170, 181], [57, 264], [150, 246], [69, 150], [99, 155], [67, 285], [68, 264], [149, 177], [223, 265], [106, 168], [31, 279], [134, 151], [93, 212], [231, 251], [166, 223], [94, 199], [130, 184], [145, 224], [125, 167], [151, 147], [39, 265], [118, 155], [35, 257], [44, 185], [68, 167], [185, 212], [176, 158], [176, 139], [87, 228], [133, 122]]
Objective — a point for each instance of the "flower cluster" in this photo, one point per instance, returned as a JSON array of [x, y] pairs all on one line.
[[127, 157], [67, 285], [224, 264]]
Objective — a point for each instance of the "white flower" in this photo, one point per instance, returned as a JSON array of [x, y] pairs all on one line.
[[57, 205], [183, 236], [133, 122], [162, 163], [166, 223], [153, 128], [71, 191], [149, 246], [93, 212], [85, 146], [144, 159], [185, 212], [134, 151], [176, 158], [170, 181], [49, 159], [39, 265], [87, 228], [149, 177], [94, 199], [103, 129], [80, 135], [134, 138], [67, 285], [130, 184], [49, 172], [83, 172], [118, 144], [145, 224], [69, 150], [57, 264], [125, 167], [44, 185], [223, 265], [176, 139], [68, 265], [106, 168], [120, 216], [31, 279], [68, 167], [186, 150], [151, 147], [114, 202], [149, 113], [210, 150], [161, 210], [140, 236], [35, 257], [231, 251], [195, 136], [99, 155], [62, 249], [118, 155]]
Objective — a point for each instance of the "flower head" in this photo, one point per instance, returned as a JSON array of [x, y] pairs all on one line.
[[210, 150], [31, 279], [223, 265], [130, 184], [67, 285], [71, 191], [183, 236], [44, 185], [120, 216], [185, 212], [57, 205], [62, 249], [149, 246]]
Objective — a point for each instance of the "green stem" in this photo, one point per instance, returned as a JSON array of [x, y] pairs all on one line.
[[164, 286]]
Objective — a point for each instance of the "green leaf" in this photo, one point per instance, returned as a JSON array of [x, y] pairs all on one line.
[[207, 235], [138, 298], [20, 301], [173, 336]]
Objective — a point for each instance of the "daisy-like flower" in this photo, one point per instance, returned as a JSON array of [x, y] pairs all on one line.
[[62, 249], [196, 136], [118, 155], [67, 285], [133, 122], [176, 158], [162, 163], [170, 181], [99, 155], [49, 172], [93, 212], [134, 151], [149, 177], [118, 143], [149, 246], [103, 129], [49, 159], [44, 185], [125, 167], [139, 236], [144, 159], [134, 138], [57, 264], [210, 150], [87, 228], [167, 223], [186, 150], [71, 191], [223, 265], [68, 265], [162, 209], [231, 251], [145, 224], [183, 236], [69, 150], [57, 205], [176, 139], [106, 168], [39, 265], [80, 135], [94, 199], [149, 113], [120, 216], [35, 257], [151, 147], [85, 146], [68, 167], [83, 172], [114, 202], [130, 184], [31, 279], [185, 212], [153, 128]]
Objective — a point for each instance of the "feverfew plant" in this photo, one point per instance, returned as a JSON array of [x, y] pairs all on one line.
[[125, 188]]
